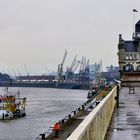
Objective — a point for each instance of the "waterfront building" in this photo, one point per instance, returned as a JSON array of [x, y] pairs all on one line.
[[129, 58]]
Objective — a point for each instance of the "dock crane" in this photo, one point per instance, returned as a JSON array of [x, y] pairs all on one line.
[[73, 63], [70, 70], [59, 77], [76, 65], [84, 70]]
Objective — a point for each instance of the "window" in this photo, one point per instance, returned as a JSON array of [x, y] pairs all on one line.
[[131, 56], [135, 56], [138, 68], [128, 67], [127, 57]]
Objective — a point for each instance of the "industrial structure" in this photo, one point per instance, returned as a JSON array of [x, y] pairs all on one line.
[[80, 74]]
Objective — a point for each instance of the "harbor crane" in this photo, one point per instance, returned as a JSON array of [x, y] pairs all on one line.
[[70, 70], [59, 77], [84, 70]]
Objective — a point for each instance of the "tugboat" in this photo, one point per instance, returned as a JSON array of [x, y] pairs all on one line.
[[12, 105]]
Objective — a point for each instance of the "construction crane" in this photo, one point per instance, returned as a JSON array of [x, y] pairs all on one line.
[[59, 77]]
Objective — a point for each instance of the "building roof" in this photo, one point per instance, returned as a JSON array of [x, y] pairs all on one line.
[[138, 23], [129, 46], [137, 27]]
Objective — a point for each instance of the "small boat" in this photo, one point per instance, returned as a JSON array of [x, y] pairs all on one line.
[[12, 105]]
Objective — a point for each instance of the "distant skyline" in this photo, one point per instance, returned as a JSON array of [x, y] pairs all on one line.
[[35, 33]]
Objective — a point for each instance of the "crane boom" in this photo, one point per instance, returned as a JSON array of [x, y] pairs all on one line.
[[60, 68], [64, 57]]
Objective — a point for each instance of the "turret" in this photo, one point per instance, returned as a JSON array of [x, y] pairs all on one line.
[[121, 42], [121, 52]]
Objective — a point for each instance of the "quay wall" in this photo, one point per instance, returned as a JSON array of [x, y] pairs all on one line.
[[94, 126]]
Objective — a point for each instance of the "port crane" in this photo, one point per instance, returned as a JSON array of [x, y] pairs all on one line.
[[84, 70], [59, 77], [70, 70]]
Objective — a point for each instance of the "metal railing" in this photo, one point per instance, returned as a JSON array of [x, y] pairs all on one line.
[[95, 125]]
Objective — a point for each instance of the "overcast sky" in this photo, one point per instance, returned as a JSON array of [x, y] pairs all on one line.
[[35, 33]]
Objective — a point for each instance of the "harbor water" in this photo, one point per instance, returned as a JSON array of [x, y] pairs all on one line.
[[45, 106]]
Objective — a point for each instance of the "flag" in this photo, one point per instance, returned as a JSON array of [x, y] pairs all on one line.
[[134, 10]]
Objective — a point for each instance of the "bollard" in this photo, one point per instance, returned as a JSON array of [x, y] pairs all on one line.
[[63, 120], [69, 116], [74, 112], [42, 136], [83, 108], [2, 116]]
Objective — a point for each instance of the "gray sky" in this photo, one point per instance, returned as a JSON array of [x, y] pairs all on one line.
[[36, 33]]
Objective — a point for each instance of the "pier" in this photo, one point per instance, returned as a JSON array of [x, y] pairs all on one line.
[[107, 121], [86, 114]]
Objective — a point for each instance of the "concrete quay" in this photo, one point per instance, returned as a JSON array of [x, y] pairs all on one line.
[[67, 127], [125, 123]]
